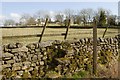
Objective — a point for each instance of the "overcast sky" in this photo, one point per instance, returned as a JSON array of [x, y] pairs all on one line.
[[14, 10]]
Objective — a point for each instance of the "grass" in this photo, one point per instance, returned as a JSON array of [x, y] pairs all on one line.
[[7, 34], [81, 74]]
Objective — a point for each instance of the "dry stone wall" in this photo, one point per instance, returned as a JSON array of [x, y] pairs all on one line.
[[54, 59]]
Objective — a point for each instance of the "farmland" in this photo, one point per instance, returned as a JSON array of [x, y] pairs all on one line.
[[28, 35]]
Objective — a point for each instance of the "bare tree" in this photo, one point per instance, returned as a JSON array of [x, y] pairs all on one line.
[[90, 14], [24, 18], [38, 16], [59, 17], [9, 22], [31, 21], [69, 13], [111, 20], [85, 15]]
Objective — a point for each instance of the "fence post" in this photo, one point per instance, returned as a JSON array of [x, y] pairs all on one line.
[[43, 30], [94, 47], [68, 26], [105, 32]]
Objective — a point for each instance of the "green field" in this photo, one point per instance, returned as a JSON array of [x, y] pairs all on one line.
[[12, 35]]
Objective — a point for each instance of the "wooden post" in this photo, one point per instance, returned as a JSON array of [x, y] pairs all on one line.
[[94, 47], [43, 30], [105, 32], [67, 30]]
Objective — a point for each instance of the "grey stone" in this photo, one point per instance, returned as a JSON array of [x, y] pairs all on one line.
[[40, 56], [23, 49], [17, 76], [45, 53], [10, 61], [44, 58], [37, 63], [20, 73], [70, 51], [15, 50], [31, 46], [30, 69], [45, 44], [37, 67], [12, 46], [82, 41], [26, 74], [101, 39], [43, 49], [41, 63], [7, 55], [16, 68], [17, 64], [33, 64], [6, 58], [111, 41], [26, 63], [36, 45], [32, 51], [6, 49], [106, 41], [19, 45], [30, 56], [6, 66], [63, 60], [15, 57], [34, 58], [25, 67], [57, 42], [86, 40], [37, 50], [2, 62]]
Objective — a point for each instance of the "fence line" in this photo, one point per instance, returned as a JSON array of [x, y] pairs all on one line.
[[65, 37]]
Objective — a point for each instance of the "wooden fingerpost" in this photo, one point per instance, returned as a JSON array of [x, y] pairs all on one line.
[[44, 27], [67, 29], [94, 47]]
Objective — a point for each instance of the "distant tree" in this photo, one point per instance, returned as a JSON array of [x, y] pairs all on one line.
[[31, 21], [41, 16], [9, 22], [84, 15], [59, 18], [24, 18], [77, 19], [102, 19], [118, 20], [90, 14], [69, 13], [112, 20]]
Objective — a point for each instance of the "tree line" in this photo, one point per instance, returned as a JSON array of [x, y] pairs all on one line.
[[84, 17]]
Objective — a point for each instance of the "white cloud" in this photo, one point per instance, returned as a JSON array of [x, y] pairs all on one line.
[[2, 17], [52, 15], [15, 16]]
